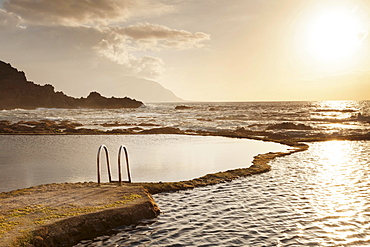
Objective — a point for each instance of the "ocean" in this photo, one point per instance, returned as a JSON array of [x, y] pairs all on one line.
[[318, 197], [321, 117]]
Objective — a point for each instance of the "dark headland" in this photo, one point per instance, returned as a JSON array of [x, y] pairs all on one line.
[[17, 92]]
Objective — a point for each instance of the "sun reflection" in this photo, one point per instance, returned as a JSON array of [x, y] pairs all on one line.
[[335, 199], [334, 154], [335, 110], [339, 105]]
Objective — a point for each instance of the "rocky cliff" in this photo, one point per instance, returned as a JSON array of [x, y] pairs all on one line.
[[17, 92]]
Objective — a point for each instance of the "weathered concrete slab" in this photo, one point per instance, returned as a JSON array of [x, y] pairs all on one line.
[[62, 214]]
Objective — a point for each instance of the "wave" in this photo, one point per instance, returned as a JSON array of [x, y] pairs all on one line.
[[51, 109], [335, 110]]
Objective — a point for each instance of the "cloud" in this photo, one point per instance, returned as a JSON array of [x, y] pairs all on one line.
[[151, 35], [82, 12], [93, 29], [148, 67], [121, 43], [9, 20], [115, 52], [122, 53]]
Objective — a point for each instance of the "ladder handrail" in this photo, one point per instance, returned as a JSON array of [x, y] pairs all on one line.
[[123, 147], [98, 162]]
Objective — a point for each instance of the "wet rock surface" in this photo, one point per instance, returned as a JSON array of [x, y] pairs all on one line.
[[71, 128], [287, 125], [42, 127], [182, 107], [164, 130]]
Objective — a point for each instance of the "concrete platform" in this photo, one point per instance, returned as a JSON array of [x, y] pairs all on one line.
[[63, 214]]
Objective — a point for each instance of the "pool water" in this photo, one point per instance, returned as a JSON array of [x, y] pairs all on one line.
[[29, 160]]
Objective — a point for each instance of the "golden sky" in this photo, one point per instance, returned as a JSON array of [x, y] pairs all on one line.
[[206, 50]]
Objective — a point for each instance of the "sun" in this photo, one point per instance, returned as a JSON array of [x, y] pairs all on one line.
[[334, 36]]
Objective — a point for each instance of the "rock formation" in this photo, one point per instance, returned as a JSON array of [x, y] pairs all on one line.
[[17, 92]]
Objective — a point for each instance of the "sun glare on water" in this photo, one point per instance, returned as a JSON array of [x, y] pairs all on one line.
[[334, 36], [337, 200]]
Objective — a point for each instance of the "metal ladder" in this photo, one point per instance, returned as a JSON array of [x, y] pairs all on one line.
[[121, 148]]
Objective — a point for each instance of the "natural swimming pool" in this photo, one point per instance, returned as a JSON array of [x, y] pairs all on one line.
[[29, 160]]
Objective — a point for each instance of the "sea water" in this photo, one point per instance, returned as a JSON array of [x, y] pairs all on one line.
[[324, 117]]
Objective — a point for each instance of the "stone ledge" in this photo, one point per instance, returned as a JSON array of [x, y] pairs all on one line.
[[64, 214]]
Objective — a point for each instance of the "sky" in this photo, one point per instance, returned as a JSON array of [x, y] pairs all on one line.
[[202, 50]]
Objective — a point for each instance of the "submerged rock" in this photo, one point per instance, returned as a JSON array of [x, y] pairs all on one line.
[[286, 125], [363, 118], [164, 130], [115, 124], [182, 107]]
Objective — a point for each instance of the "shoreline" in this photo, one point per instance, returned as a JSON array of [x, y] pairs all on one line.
[[38, 234], [48, 127]]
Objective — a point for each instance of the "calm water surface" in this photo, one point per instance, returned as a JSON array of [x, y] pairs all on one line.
[[319, 197], [32, 160]]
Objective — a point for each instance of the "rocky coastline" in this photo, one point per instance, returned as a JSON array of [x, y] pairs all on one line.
[[65, 127], [16, 92]]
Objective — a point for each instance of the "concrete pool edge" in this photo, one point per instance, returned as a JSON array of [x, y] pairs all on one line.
[[259, 165]]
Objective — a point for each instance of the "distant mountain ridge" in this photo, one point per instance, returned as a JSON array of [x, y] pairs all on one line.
[[143, 89], [17, 92]]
